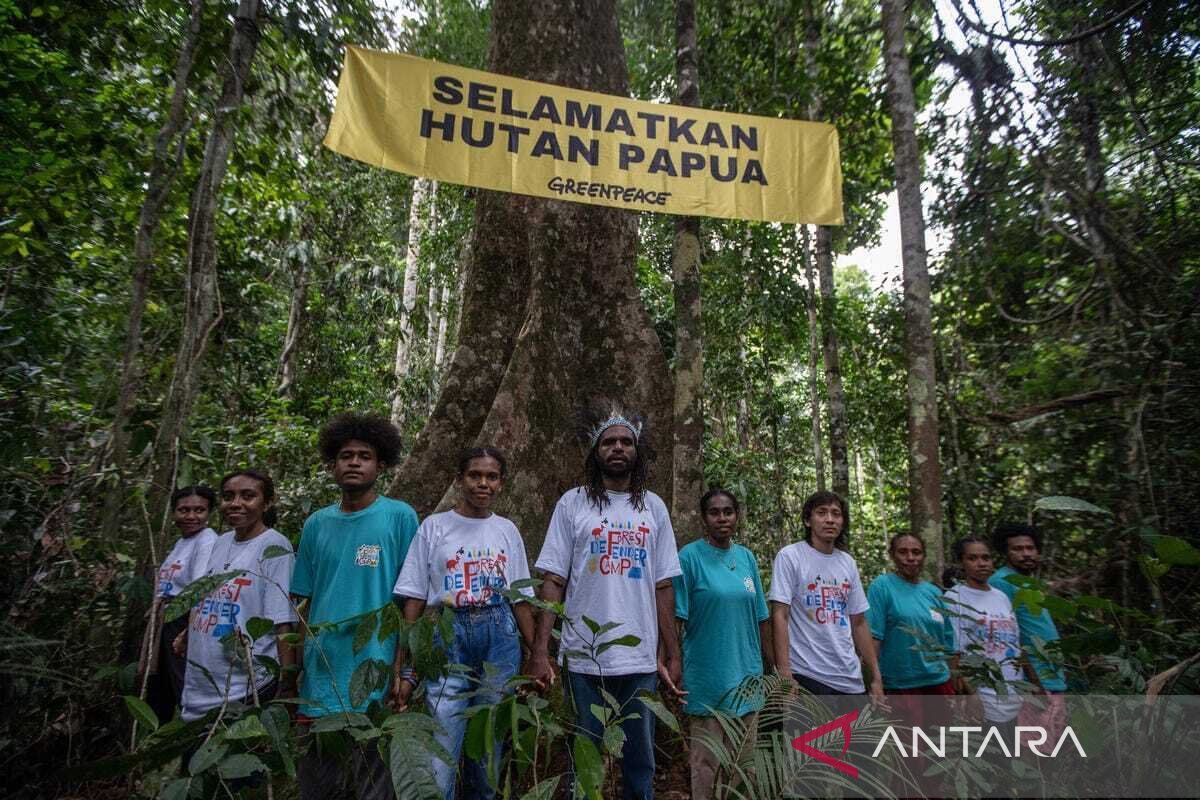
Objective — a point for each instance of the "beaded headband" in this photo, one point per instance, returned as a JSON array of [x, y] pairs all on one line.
[[611, 422]]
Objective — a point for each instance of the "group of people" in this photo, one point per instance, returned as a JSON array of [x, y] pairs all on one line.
[[638, 614]]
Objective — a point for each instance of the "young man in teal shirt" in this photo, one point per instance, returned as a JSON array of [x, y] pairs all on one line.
[[349, 557], [1022, 548]]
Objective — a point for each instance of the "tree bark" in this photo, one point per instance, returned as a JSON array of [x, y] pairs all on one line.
[[551, 315], [168, 155], [295, 326], [814, 360], [203, 309], [823, 254], [688, 455], [421, 191], [924, 470]]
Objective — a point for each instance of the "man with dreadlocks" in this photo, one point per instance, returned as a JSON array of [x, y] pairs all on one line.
[[611, 550]]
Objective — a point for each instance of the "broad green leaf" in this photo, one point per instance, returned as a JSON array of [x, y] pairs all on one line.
[[589, 767], [339, 722], [628, 640], [275, 551], [175, 790], [368, 677], [391, 622], [659, 710], [190, 596], [544, 790], [258, 627], [246, 728], [526, 583], [240, 765], [411, 764], [1060, 502], [1176, 552], [614, 740], [209, 754], [141, 712], [364, 631]]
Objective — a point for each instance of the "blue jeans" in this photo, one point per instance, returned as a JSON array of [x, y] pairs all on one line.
[[637, 755], [490, 635]]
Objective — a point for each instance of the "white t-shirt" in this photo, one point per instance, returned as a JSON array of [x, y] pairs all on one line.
[[260, 590], [984, 625], [612, 557], [822, 591], [186, 562], [462, 561]]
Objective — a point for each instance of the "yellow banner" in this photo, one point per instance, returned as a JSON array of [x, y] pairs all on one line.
[[495, 132]]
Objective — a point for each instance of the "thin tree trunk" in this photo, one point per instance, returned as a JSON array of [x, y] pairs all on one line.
[[295, 326], [814, 360], [443, 315], [838, 428], [203, 310], [823, 252], [924, 470], [538, 337], [168, 155], [688, 456], [881, 499], [408, 300]]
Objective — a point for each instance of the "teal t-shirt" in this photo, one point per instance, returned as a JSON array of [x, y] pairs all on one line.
[[720, 598], [347, 565], [910, 620], [1036, 629]]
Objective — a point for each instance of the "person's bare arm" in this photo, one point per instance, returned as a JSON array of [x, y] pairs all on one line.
[[540, 669], [767, 643], [523, 614], [402, 685], [671, 670], [868, 651], [287, 660], [779, 632], [292, 681]]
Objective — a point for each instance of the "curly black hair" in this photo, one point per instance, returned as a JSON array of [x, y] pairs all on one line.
[[373, 429], [593, 474], [1007, 530]]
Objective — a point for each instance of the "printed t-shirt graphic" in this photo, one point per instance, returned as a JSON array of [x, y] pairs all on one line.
[[720, 595], [347, 565], [186, 562], [260, 589], [463, 562], [910, 620], [985, 626], [1036, 629], [821, 591], [612, 557]]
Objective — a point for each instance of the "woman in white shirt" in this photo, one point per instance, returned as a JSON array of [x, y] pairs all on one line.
[[465, 559], [257, 561], [986, 627], [191, 507]]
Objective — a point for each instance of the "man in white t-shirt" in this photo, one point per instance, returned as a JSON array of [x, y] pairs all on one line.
[[818, 607], [610, 550]]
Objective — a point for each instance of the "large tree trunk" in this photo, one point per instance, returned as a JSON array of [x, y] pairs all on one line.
[[814, 359], [168, 154], [823, 254], [421, 192], [551, 315], [203, 309], [924, 470], [688, 454]]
